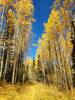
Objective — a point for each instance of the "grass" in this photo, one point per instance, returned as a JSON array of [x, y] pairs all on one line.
[[36, 91]]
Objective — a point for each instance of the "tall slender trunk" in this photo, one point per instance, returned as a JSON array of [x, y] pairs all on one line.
[[1, 41], [6, 66], [1, 70], [13, 74]]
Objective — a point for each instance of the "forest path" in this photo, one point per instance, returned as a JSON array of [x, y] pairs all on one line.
[[35, 91]]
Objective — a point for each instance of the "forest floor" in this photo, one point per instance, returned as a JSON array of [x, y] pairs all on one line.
[[35, 91]]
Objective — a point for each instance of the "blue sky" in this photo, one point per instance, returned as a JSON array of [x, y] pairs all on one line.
[[41, 14]]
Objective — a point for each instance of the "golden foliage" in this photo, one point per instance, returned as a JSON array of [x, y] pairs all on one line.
[[55, 47]]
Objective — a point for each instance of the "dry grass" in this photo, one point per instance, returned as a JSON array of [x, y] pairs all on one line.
[[34, 91]]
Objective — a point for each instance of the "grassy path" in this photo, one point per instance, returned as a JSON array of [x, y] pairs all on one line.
[[34, 91]]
